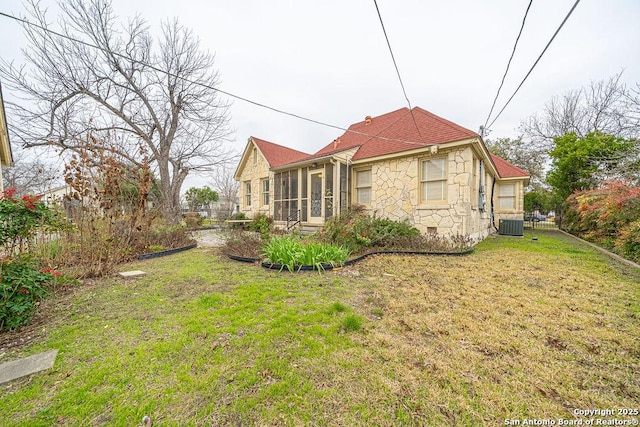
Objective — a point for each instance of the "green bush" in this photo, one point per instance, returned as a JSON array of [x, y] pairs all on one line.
[[21, 286], [355, 230], [290, 252], [21, 218], [608, 216], [262, 224], [628, 242]]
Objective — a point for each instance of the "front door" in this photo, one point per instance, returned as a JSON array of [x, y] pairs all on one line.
[[316, 191]]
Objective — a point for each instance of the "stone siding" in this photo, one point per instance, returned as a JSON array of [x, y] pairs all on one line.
[[255, 172], [395, 195]]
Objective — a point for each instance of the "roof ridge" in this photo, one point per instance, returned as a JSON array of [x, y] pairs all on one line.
[[385, 128], [278, 145], [443, 120]]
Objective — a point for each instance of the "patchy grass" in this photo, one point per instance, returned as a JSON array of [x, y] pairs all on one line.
[[518, 329]]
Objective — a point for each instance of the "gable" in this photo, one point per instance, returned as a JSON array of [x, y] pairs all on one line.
[[278, 155], [274, 154]]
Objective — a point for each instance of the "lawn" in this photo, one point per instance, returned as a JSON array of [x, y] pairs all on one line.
[[518, 329]]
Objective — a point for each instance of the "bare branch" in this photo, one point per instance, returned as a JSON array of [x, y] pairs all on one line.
[[116, 92]]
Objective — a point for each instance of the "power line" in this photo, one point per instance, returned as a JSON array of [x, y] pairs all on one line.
[[537, 60], [395, 64], [229, 94], [508, 63]]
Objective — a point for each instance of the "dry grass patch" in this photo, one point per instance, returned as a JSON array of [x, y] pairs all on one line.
[[522, 329]]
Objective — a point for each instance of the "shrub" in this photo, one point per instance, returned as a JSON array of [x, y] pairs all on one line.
[[355, 230], [628, 242], [239, 215], [291, 252], [21, 286], [193, 220], [609, 216], [262, 224], [21, 218], [243, 244]]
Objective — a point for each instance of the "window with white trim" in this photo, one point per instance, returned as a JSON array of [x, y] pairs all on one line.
[[265, 192], [247, 193], [363, 187], [433, 180], [507, 196]]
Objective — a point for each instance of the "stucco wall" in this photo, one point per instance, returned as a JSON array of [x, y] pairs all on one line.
[[255, 172], [395, 194]]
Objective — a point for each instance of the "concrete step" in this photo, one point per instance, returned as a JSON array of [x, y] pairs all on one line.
[[306, 229]]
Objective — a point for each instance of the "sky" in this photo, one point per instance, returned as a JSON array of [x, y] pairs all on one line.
[[328, 59]]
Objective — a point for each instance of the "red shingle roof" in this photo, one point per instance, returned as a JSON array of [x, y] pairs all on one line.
[[377, 137], [506, 169], [278, 155]]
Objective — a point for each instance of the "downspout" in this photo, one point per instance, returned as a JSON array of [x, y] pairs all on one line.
[[336, 172], [493, 218], [348, 189]]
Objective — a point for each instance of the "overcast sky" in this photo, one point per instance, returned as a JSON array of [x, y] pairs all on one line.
[[328, 60]]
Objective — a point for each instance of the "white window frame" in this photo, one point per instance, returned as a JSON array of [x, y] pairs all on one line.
[[444, 180]]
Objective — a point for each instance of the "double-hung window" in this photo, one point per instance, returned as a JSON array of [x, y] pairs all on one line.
[[507, 196], [247, 193], [433, 180], [265, 192], [363, 187]]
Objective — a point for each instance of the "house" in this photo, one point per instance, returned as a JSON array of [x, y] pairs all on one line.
[[6, 158], [406, 165]]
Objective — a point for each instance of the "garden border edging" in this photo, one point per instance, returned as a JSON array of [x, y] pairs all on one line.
[[280, 267], [159, 254]]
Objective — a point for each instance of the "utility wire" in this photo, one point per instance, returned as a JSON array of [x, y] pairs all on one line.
[[229, 94], [395, 64], [508, 63], [537, 60]]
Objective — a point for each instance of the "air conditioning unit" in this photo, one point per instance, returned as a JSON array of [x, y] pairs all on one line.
[[511, 227]]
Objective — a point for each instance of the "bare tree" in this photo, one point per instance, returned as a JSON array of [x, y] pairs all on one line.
[[110, 81], [521, 154], [30, 173], [602, 106], [227, 188]]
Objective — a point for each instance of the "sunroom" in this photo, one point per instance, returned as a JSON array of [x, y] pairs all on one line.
[[310, 193]]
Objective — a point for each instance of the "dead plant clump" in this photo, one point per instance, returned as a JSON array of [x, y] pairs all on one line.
[[243, 244], [429, 243], [109, 215]]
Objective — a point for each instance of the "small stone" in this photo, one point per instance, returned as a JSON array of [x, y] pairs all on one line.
[[133, 273]]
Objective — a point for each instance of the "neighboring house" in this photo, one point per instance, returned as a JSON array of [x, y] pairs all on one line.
[[61, 196], [56, 194], [418, 168], [6, 158]]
